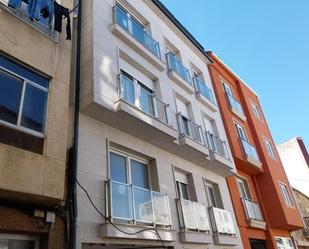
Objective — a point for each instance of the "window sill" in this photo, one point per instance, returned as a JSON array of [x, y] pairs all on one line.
[[22, 129]]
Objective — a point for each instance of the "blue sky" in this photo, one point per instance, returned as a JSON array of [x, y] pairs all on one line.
[[267, 44]]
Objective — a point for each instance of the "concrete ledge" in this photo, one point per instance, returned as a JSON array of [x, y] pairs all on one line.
[[195, 237], [257, 224], [109, 231], [225, 240], [206, 102], [181, 82], [221, 165], [254, 162], [184, 140], [138, 47]]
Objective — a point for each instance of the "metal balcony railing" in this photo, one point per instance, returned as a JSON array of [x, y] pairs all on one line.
[[133, 94], [249, 150], [193, 215], [175, 65], [189, 128], [252, 209], [223, 221], [216, 145], [137, 205], [136, 30], [203, 89], [234, 104]]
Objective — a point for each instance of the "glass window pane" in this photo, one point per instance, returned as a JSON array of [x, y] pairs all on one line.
[[34, 108], [184, 193], [10, 94], [118, 168], [139, 172], [16, 244]]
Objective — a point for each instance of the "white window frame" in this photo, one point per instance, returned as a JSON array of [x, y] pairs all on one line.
[[25, 82], [284, 241], [36, 239], [269, 148], [240, 127], [217, 194], [286, 195], [129, 157], [242, 181], [256, 111], [227, 86]]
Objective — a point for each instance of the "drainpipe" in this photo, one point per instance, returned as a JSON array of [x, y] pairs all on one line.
[[74, 149]]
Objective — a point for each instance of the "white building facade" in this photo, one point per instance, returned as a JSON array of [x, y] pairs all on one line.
[[153, 154]]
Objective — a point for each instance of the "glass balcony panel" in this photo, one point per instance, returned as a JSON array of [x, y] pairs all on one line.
[[189, 218], [161, 207], [224, 221], [175, 65], [143, 205], [134, 28], [249, 150], [147, 101], [216, 144], [195, 132], [127, 89], [235, 104], [253, 210], [121, 201], [204, 89], [201, 216]]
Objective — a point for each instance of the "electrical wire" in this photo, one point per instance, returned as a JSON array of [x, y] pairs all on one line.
[[110, 222]]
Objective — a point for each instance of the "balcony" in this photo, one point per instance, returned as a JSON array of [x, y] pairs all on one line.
[[306, 228], [236, 107], [253, 213], [219, 154], [194, 222], [142, 114], [223, 227], [135, 35], [250, 153], [179, 73], [134, 208], [40, 22], [204, 93]]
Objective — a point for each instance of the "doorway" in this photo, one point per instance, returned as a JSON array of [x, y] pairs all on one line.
[[258, 244]]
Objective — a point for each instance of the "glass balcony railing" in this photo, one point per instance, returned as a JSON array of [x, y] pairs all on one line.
[[138, 205], [234, 104], [223, 221], [252, 210], [249, 150], [203, 89], [193, 215], [189, 128], [216, 144], [134, 94], [134, 28], [175, 65]]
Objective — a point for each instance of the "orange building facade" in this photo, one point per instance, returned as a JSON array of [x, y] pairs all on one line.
[[265, 209]]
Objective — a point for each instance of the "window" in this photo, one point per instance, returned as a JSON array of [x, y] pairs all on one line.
[[243, 188], [213, 195], [14, 241], [269, 149], [129, 170], [286, 195], [23, 96], [182, 185], [182, 108], [256, 111], [228, 89], [241, 132], [284, 243]]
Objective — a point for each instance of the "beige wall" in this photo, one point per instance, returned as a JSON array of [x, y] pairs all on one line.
[[31, 175]]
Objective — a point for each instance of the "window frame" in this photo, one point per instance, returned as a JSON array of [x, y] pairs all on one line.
[[129, 157], [241, 127], [286, 195], [284, 240], [179, 190], [271, 152], [244, 182], [216, 193], [26, 82], [7, 236], [256, 111]]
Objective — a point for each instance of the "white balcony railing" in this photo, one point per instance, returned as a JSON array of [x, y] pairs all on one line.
[[132, 93], [216, 145], [193, 215], [223, 222], [136, 30], [174, 64], [189, 128], [137, 205], [252, 210], [249, 150], [203, 89]]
